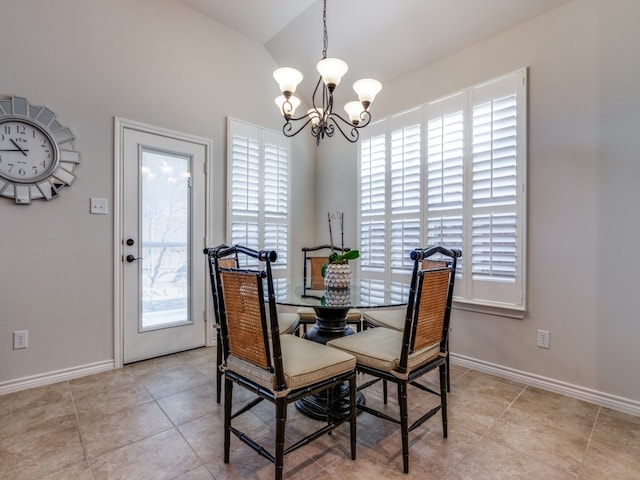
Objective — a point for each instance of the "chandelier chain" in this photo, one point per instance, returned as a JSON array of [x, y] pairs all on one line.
[[324, 29]]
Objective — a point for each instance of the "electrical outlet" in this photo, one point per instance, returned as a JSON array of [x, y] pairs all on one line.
[[99, 206], [20, 339], [543, 338]]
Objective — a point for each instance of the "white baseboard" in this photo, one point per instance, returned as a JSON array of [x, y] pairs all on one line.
[[56, 376], [614, 402]]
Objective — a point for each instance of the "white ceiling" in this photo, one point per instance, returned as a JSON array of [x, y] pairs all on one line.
[[258, 19], [379, 39]]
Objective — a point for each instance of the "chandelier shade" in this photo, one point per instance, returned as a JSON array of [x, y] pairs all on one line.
[[367, 89], [287, 105], [288, 79], [321, 118], [315, 115], [332, 70], [354, 110]]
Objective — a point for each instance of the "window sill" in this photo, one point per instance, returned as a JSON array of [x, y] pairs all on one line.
[[498, 309]]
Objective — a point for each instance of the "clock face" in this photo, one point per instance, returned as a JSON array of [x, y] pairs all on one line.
[[37, 158], [27, 152]]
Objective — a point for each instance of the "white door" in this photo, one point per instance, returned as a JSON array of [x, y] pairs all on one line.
[[163, 232]]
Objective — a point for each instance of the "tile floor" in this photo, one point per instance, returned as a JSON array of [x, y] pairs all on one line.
[[159, 420]]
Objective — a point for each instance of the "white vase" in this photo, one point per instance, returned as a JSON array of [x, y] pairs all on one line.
[[338, 297], [337, 275]]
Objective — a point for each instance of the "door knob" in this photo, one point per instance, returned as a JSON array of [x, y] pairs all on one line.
[[132, 258]]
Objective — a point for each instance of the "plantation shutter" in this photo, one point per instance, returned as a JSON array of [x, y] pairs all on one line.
[[373, 200], [276, 197], [258, 190], [445, 176], [497, 189], [405, 191], [451, 173], [494, 188], [245, 186]]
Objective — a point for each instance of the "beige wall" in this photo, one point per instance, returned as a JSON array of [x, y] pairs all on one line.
[[583, 169], [152, 61]]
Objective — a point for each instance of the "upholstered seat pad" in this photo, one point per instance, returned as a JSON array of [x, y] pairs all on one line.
[[386, 318], [304, 363], [380, 348], [288, 322], [308, 314]]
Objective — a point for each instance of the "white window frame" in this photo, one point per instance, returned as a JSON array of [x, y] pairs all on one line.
[[488, 295], [265, 141]]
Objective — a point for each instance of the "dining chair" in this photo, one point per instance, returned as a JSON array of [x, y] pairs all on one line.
[[287, 322], [314, 259], [278, 368], [402, 357], [394, 317]]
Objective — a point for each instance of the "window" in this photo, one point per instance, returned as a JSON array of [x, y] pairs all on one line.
[[451, 172], [258, 190]]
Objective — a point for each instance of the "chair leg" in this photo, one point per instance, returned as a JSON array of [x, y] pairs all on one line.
[[228, 393], [281, 419], [448, 365], [443, 397], [218, 365], [447, 362], [354, 414], [384, 391], [404, 423], [448, 374], [330, 406]]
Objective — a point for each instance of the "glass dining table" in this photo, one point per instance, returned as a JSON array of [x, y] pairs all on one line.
[[331, 307]]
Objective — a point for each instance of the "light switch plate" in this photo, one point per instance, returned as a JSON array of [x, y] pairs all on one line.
[[99, 206]]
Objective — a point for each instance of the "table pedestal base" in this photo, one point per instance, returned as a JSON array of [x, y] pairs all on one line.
[[330, 323], [315, 406]]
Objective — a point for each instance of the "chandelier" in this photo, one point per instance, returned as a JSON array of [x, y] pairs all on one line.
[[321, 116]]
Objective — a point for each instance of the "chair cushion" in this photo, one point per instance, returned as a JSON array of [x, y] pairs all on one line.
[[308, 314], [288, 322], [380, 348], [304, 363], [385, 318]]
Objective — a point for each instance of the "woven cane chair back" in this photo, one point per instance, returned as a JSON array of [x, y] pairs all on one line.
[[432, 264], [430, 308], [245, 316], [229, 262], [316, 280]]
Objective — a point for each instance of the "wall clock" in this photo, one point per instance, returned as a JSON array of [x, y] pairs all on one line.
[[37, 158]]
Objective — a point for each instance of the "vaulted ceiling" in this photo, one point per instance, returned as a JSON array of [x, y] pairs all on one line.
[[379, 39]]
